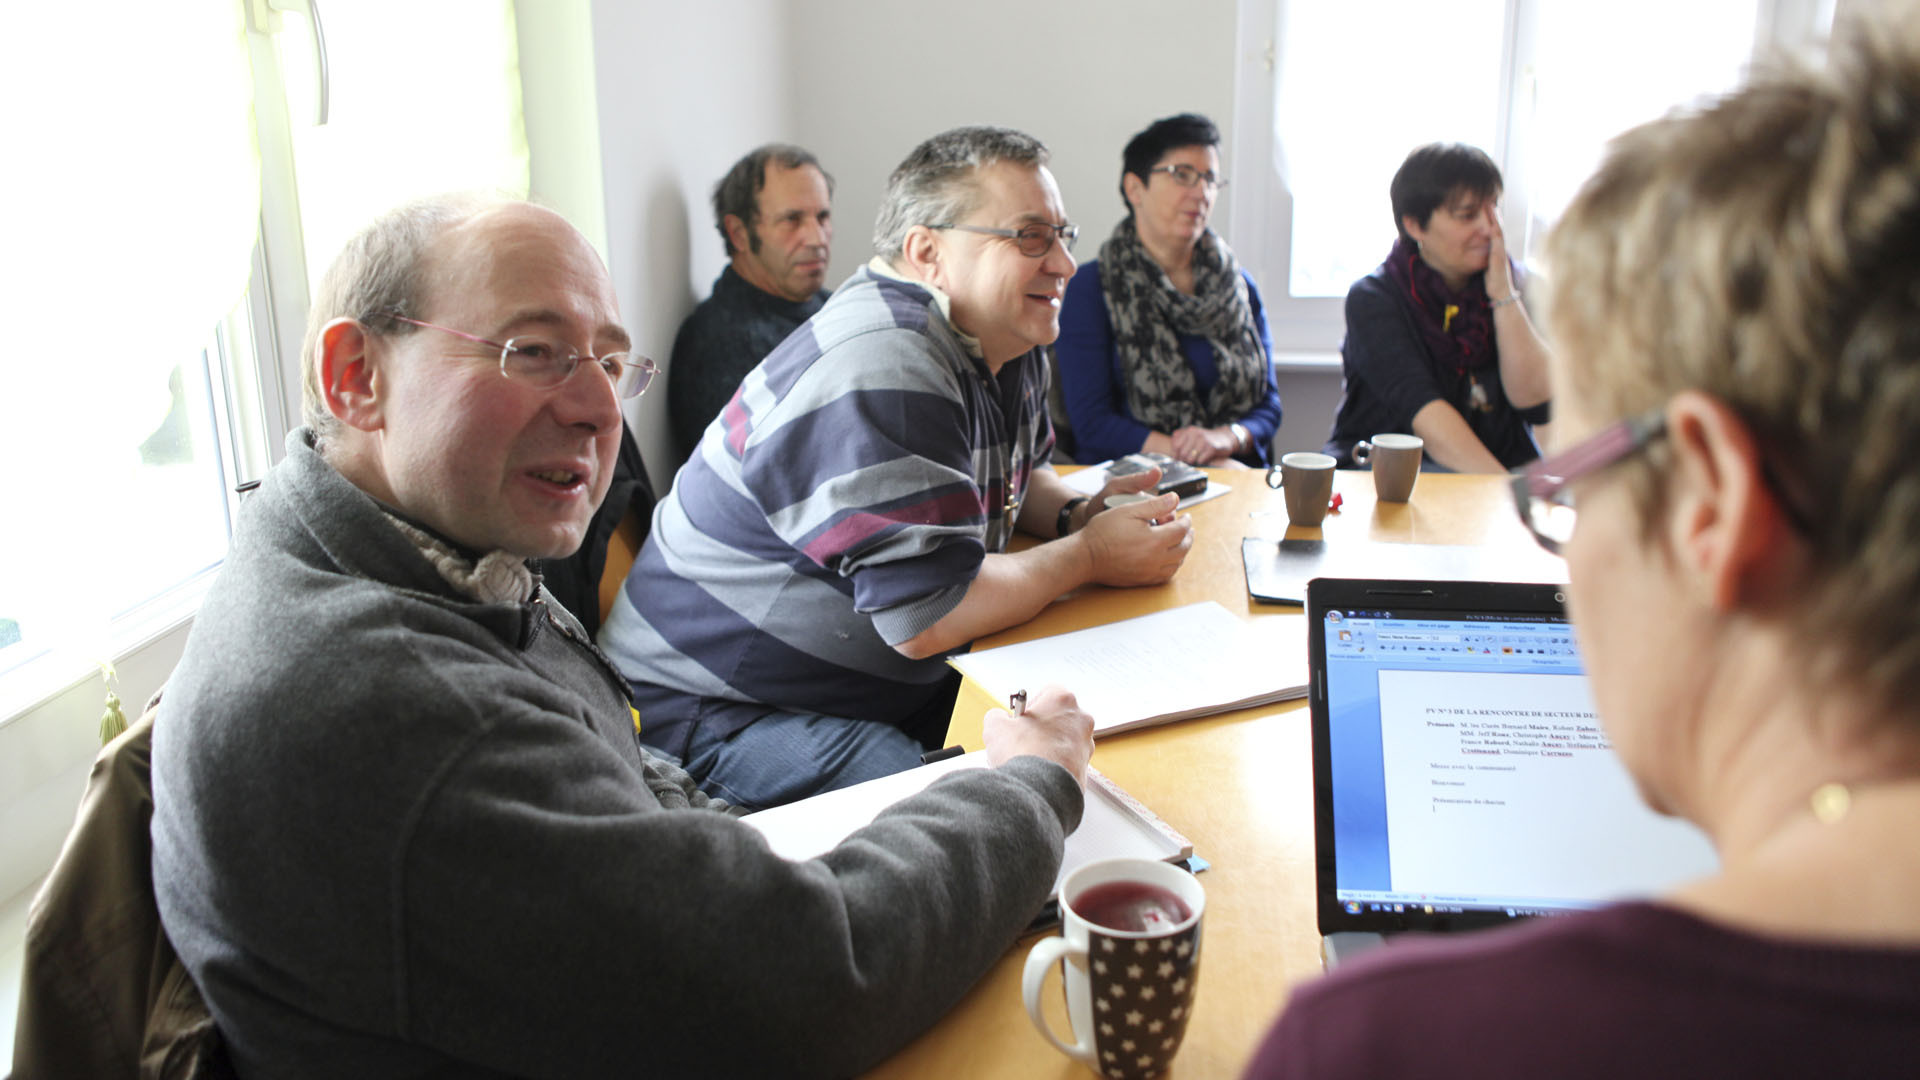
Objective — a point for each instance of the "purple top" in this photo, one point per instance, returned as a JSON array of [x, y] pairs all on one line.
[[1638, 989]]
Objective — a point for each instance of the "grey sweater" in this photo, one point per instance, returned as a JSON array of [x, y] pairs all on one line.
[[402, 833]]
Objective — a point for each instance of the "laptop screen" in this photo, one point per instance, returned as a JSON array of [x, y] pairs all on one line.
[[1462, 777]]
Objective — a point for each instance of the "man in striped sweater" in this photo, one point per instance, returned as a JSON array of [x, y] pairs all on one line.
[[844, 527]]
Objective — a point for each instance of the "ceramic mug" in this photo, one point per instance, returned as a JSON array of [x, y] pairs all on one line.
[[1130, 944], [1396, 464], [1307, 478]]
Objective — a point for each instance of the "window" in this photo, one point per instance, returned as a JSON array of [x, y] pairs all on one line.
[[143, 196], [1332, 97], [185, 195]]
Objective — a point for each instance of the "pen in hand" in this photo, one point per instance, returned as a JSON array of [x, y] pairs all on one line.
[[1016, 705]]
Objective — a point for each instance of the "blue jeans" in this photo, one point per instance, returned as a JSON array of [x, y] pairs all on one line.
[[786, 756]]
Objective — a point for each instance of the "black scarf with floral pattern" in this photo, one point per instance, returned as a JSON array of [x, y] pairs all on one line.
[[1148, 314]]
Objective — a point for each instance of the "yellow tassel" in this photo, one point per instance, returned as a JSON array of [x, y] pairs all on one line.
[[1446, 324], [113, 721]]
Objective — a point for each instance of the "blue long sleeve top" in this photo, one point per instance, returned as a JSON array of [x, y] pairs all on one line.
[[1094, 388]]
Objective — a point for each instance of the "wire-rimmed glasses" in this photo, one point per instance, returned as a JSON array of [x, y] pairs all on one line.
[[1540, 491], [546, 363], [1188, 176], [1034, 240]]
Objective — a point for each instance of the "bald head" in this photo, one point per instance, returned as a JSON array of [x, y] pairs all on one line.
[[409, 373]]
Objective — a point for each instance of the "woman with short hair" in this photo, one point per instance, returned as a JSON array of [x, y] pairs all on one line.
[[1736, 371], [1163, 344], [1438, 343]]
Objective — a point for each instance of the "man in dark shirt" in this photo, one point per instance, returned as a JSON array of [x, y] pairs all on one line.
[[774, 212]]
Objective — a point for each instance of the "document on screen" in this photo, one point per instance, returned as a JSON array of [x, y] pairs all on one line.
[[1504, 784]]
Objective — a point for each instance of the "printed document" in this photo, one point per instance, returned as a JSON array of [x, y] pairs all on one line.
[[1189, 661]]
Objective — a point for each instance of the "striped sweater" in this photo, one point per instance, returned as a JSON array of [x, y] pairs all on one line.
[[841, 503]]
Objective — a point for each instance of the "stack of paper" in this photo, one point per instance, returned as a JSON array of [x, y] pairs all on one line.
[[1190, 661], [1113, 825]]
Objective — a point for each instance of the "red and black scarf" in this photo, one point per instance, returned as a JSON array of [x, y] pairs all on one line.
[[1457, 325]]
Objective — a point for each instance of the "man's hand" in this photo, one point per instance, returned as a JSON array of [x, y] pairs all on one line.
[[1131, 484], [1142, 544], [1052, 727], [1203, 446]]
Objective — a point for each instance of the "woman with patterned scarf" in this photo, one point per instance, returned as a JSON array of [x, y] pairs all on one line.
[[1438, 341], [1163, 344]]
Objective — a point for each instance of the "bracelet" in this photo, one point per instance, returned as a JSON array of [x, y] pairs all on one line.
[[1065, 520], [1511, 298], [1242, 438]]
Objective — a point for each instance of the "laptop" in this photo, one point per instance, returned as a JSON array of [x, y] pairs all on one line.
[[1461, 779]]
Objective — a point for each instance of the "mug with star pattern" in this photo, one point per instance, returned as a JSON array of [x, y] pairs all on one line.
[[1130, 943]]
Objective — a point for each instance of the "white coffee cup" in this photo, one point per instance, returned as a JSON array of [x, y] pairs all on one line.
[[1132, 498]]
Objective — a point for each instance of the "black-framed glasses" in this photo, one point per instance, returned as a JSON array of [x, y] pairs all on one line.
[[546, 362], [1034, 240], [1540, 491], [1188, 176]]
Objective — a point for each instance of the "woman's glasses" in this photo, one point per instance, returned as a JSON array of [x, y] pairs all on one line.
[[1540, 490], [1188, 176]]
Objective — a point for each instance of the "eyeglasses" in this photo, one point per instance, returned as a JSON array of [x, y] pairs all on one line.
[[1540, 490], [546, 363], [1188, 176], [1034, 240]]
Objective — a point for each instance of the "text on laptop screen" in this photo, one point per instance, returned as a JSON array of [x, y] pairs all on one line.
[[1471, 774]]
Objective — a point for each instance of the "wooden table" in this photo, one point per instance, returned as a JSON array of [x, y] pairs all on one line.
[[1239, 785]]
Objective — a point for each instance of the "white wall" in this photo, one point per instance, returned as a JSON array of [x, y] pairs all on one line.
[[872, 78], [684, 90], [47, 751]]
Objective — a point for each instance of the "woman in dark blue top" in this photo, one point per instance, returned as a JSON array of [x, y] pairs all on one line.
[[1438, 342], [1163, 344]]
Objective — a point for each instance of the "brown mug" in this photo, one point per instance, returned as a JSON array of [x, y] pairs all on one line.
[[1307, 479], [1395, 461]]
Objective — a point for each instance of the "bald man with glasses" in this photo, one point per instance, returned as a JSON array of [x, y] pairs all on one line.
[[843, 527], [402, 824]]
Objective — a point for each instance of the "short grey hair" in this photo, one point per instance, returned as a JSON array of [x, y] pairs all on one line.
[[935, 184], [376, 276], [738, 192], [1766, 251]]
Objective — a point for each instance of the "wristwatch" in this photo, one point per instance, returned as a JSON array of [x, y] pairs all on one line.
[[1061, 523]]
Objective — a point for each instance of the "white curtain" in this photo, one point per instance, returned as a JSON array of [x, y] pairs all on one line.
[[425, 99], [131, 197]]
